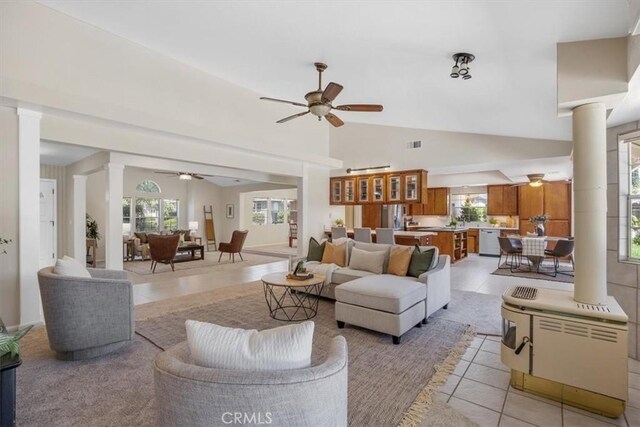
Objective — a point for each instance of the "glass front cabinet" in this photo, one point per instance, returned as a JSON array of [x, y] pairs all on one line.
[[377, 189], [395, 188], [349, 190], [363, 190], [411, 187], [336, 191]]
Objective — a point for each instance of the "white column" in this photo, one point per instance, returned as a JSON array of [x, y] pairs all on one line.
[[29, 211], [590, 196], [113, 216], [79, 225]]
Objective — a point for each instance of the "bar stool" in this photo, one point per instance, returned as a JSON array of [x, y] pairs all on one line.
[[385, 236], [362, 235], [338, 232]]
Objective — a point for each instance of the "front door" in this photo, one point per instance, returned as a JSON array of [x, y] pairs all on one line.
[[48, 229]]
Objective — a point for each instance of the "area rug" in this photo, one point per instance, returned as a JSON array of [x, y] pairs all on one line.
[[208, 264], [524, 272], [388, 384], [482, 311]]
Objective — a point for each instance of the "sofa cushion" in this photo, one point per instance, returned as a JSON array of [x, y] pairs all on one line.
[[316, 250], [384, 292], [436, 254], [281, 348], [343, 275], [142, 236], [376, 247], [185, 235], [367, 260], [399, 259], [421, 261], [68, 266], [335, 253]]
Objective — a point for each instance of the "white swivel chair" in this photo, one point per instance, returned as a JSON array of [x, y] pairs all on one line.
[[385, 235], [362, 235], [338, 232]]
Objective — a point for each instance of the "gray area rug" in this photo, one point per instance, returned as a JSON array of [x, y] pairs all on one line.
[[384, 380], [482, 311], [524, 272]]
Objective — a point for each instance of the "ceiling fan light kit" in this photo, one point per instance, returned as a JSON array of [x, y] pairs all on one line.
[[185, 176], [461, 66], [319, 102]]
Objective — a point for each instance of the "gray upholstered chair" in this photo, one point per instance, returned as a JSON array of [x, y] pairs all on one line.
[[385, 236], [87, 317], [191, 395], [338, 232], [362, 235]]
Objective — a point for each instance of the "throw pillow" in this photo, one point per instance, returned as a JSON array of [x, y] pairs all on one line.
[[143, 237], [335, 254], [399, 260], [367, 260], [420, 261], [281, 348], [68, 266], [185, 235], [316, 250]]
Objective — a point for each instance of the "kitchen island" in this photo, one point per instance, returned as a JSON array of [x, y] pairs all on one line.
[[452, 241], [409, 238]]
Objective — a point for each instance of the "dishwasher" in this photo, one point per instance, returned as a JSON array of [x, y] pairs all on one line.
[[489, 244]]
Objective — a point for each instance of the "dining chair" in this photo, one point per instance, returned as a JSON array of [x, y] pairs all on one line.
[[338, 232], [293, 233], [362, 235], [507, 249], [564, 248], [385, 236], [533, 249]]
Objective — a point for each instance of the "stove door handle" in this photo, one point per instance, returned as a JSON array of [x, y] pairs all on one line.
[[524, 342]]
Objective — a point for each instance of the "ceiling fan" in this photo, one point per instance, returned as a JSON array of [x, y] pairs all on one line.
[[535, 180], [319, 102], [187, 176]]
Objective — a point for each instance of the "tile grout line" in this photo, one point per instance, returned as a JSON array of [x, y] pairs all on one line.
[[465, 371]]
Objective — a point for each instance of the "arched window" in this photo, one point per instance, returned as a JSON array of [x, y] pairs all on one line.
[[148, 187]]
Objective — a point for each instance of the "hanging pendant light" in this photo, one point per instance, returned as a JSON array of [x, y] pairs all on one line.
[[461, 67]]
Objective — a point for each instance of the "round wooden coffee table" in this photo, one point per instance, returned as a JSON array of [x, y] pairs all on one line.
[[289, 299]]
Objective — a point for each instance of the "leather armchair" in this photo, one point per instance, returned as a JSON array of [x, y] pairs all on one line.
[[234, 246], [163, 249]]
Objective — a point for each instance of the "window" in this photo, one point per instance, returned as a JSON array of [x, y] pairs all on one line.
[[278, 210], [147, 214], [469, 207], [634, 200], [148, 187], [260, 208], [126, 210], [170, 214]]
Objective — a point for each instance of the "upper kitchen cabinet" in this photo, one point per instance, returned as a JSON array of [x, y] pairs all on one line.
[[394, 188], [349, 188], [530, 201], [437, 202], [502, 200], [336, 191], [557, 200], [378, 194], [364, 193], [415, 186]]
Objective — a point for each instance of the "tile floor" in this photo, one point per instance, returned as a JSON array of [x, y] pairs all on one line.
[[479, 386]]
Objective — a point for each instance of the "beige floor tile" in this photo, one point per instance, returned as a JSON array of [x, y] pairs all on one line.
[[442, 397], [493, 338], [491, 360], [532, 411], [633, 417], [574, 419], [451, 384], [535, 397], [461, 367], [620, 421], [507, 421], [482, 416], [634, 398], [491, 346], [480, 394], [634, 380], [634, 366], [477, 341], [469, 354], [490, 376]]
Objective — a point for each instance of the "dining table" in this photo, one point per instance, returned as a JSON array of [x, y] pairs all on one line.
[[533, 247]]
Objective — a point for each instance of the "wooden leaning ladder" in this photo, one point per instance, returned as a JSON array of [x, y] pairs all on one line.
[[210, 229]]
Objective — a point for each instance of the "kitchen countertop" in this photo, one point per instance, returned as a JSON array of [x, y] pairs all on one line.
[[445, 229], [399, 233], [433, 228]]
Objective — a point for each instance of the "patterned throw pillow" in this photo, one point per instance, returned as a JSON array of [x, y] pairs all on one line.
[[420, 261], [399, 260], [316, 250]]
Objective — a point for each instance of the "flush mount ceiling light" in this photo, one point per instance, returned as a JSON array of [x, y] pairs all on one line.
[[461, 67]]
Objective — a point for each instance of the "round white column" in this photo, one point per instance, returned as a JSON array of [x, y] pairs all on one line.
[[590, 198]]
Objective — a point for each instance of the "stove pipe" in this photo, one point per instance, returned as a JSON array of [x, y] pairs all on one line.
[[590, 203]]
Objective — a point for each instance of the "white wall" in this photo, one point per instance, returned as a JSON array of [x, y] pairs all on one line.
[[265, 234]]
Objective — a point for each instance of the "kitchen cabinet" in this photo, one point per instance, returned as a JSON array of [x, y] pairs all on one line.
[[415, 209], [530, 201], [372, 216], [378, 194], [349, 185], [437, 203], [394, 185], [336, 191], [453, 243], [363, 190], [414, 186], [473, 240], [502, 200], [557, 200]]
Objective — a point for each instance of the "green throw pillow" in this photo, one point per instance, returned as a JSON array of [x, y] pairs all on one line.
[[420, 261], [316, 250]]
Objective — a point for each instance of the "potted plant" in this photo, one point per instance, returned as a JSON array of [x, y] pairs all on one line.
[[493, 222], [538, 222], [92, 228], [339, 222]]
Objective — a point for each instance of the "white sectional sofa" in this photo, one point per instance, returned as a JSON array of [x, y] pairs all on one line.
[[384, 302]]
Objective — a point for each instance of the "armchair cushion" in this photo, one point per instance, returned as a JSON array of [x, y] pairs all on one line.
[[68, 266], [281, 348]]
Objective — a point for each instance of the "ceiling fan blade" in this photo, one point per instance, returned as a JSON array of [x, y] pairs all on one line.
[[286, 119], [334, 120], [166, 173], [331, 91], [360, 107], [197, 176], [299, 104]]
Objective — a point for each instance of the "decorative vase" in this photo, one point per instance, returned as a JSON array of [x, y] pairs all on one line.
[[540, 229]]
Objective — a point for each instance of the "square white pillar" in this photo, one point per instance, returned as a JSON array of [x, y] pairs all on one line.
[[29, 214], [79, 225], [113, 216]]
